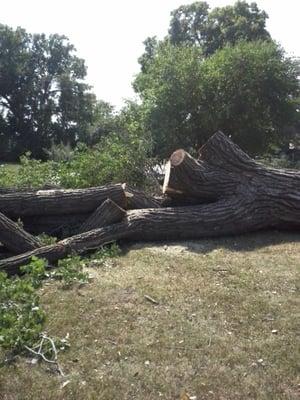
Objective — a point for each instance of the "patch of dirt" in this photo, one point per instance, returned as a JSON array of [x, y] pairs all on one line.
[[173, 248]]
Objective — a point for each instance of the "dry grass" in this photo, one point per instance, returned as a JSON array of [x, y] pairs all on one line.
[[225, 327]]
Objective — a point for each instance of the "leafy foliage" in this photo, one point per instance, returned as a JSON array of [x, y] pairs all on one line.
[[42, 94], [248, 91], [194, 24], [105, 253], [118, 157], [115, 159], [70, 271], [21, 317]]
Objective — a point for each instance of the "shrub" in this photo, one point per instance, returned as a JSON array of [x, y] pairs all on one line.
[[21, 318], [117, 158]]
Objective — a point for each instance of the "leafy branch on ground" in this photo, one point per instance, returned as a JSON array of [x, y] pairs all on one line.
[[22, 320]]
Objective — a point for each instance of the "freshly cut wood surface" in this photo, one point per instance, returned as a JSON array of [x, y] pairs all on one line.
[[224, 171]]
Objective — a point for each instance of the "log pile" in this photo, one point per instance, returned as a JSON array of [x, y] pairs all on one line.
[[224, 192]]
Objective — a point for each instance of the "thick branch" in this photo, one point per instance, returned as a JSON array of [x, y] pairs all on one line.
[[106, 214], [225, 171], [137, 199], [60, 201], [15, 238], [227, 217]]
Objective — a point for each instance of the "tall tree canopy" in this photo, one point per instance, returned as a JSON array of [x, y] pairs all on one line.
[[42, 94], [247, 90], [217, 69], [195, 24]]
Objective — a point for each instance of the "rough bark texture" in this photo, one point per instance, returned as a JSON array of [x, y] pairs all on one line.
[[59, 201], [106, 214], [137, 199], [15, 238], [224, 171], [222, 218]]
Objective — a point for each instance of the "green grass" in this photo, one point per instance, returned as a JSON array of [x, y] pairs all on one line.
[[225, 327], [12, 166]]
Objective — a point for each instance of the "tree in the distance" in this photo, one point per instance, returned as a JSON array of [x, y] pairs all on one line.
[[195, 24], [43, 97]]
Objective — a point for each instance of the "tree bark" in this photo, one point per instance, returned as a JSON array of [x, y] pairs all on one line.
[[136, 199], [15, 238], [106, 214], [60, 201], [224, 171], [226, 217]]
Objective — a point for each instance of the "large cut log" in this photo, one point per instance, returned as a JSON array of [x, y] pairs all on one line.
[[15, 238], [224, 171], [225, 217], [106, 214], [69, 224], [59, 201]]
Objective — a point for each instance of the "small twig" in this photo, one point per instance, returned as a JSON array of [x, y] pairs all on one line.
[[153, 301], [40, 354], [53, 347], [41, 344]]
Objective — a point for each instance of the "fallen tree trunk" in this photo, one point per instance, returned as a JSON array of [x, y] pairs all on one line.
[[225, 171], [59, 201], [226, 217], [106, 214], [15, 238], [240, 196]]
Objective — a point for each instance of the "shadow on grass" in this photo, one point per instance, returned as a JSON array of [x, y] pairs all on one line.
[[245, 242]]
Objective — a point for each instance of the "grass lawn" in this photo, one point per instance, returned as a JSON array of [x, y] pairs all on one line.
[[225, 326], [13, 166]]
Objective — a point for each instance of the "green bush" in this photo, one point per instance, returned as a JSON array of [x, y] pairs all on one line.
[[21, 318], [70, 271], [117, 158]]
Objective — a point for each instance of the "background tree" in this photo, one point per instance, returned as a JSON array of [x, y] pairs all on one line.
[[194, 24], [42, 94], [247, 90], [102, 123]]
